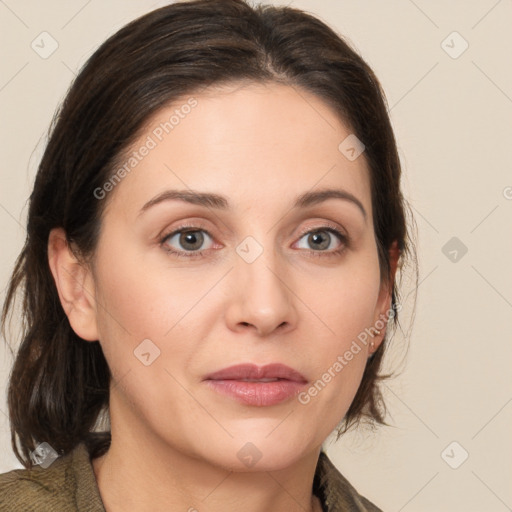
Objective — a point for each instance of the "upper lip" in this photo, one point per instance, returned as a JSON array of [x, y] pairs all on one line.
[[255, 372]]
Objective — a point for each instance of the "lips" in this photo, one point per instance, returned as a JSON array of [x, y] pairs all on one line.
[[257, 385], [254, 373]]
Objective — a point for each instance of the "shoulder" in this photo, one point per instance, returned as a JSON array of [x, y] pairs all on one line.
[[67, 484], [336, 492], [36, 488]]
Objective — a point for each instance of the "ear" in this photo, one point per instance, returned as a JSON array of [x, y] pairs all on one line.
[[383, 308], [75, 286]]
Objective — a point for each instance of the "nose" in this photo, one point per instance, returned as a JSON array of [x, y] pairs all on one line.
[[261, 296]]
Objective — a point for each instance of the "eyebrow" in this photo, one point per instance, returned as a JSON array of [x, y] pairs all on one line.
[[211, 200]]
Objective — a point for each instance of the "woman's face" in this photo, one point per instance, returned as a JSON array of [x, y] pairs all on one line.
[[248, 284]]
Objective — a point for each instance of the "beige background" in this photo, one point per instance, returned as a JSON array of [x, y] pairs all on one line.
[[452, 118]]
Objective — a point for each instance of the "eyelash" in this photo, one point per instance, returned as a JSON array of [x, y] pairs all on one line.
[[200, 254]]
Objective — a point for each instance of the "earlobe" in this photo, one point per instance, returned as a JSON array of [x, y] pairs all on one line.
[[394, 255], [74, 284]]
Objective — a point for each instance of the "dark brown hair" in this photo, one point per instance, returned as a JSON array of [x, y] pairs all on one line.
[[59, 384]]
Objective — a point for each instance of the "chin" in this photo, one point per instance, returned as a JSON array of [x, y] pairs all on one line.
[[261, 452]]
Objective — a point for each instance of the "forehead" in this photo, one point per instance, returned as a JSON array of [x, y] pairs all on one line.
[[258, 142]]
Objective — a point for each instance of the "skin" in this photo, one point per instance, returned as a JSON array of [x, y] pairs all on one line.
[[174, 440]]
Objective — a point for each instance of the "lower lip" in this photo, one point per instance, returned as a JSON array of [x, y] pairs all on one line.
[[257, 393]]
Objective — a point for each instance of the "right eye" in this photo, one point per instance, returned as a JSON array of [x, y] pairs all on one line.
[[186, 242]]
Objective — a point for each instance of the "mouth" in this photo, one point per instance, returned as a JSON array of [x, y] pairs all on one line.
[[257, 385]]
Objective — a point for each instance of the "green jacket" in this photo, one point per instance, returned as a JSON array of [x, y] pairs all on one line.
[[69, 485]]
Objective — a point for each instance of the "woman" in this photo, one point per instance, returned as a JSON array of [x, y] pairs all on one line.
[[209, 270]]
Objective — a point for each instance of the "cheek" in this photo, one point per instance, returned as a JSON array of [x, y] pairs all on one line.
[[345, 305], [139, 298], [345, 299]]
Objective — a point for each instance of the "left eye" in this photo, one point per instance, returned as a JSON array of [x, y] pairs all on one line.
[[321, 239]]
